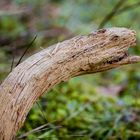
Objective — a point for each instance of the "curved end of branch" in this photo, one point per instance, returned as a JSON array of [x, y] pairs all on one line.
[[130, 60]]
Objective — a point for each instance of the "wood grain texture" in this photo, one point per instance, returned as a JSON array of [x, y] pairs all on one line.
[[98, 51]]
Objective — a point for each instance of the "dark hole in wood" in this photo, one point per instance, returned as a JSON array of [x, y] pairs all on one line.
[[101, 31], [114, 38]]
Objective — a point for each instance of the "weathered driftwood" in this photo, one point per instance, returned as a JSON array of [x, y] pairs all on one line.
[[98, 51]]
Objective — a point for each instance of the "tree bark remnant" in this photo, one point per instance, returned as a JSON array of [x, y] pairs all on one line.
[[98, 51]]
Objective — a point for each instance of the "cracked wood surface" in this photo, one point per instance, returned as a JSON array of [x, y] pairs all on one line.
[[98, 51]]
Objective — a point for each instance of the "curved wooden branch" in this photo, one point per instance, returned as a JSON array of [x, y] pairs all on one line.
[[101, 50]]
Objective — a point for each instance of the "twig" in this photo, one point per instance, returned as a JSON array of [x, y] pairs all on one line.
[[38, 129], [111, 14], [12, 65], [33, 131], [118, 11], [28, 46], [129, 7]]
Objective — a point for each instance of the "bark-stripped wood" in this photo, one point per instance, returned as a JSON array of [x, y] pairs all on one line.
[[99, 51]]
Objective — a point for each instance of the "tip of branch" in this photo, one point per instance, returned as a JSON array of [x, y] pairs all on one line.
[[130, 60]]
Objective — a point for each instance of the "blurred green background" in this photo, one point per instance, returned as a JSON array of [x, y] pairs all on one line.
[[104, 106]]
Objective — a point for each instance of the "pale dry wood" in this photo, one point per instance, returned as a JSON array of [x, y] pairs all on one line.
[[98, 51]]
